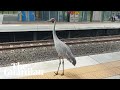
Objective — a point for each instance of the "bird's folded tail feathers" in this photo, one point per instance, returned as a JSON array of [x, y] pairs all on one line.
[[72, 60]]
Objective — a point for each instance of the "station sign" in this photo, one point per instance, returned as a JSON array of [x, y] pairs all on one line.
[[74, 16]]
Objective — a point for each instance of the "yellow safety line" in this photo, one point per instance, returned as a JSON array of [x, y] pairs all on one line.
[[98, 71]]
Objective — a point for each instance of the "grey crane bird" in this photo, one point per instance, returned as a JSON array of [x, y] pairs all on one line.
[[62, 49]]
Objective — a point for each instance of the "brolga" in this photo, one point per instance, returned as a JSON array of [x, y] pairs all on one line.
[[62, 49]]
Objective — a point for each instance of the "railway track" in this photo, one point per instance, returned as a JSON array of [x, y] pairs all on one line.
[[45, 43], [38, 51]]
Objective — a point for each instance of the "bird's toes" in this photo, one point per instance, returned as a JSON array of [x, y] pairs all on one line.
[[56, 73], [62, 74]]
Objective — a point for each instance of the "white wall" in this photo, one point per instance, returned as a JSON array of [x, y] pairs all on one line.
[[1, 18], [97, 15]]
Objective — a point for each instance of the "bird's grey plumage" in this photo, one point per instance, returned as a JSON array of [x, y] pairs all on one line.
[[62, 49]]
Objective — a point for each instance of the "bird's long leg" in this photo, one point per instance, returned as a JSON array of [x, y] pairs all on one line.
[[56, 73], [63, 66]]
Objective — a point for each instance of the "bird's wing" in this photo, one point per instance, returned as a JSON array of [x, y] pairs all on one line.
[[70, 57], [64, 51], [68, 53]]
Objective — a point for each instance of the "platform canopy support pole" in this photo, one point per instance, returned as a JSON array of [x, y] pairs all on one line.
[[69, 34], [34, 36], [14, 37]]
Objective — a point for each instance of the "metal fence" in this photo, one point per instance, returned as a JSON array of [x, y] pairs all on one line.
[[61, 16], [84, 16], [45, 15], [106, 15]]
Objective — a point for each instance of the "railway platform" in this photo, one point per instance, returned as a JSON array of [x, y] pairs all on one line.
[[45, 26], [42, 30], [99, 66]]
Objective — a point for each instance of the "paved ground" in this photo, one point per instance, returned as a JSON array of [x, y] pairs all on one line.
[[59, 26], [99, 71], [99, 66]]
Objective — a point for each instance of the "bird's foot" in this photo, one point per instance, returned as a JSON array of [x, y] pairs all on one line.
[[62, 74], [56, 73]]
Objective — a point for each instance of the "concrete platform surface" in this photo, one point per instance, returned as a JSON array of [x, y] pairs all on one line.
[[87, 67], [99, 71], [59, 26]]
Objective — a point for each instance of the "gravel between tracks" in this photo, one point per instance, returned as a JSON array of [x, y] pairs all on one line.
[[31, 55]]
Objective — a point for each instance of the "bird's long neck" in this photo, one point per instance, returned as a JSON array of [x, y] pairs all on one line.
[[54, 32]]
